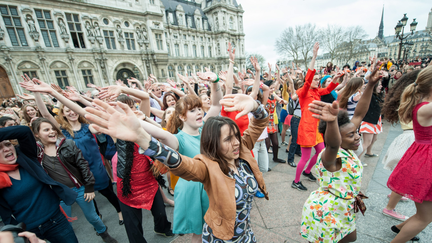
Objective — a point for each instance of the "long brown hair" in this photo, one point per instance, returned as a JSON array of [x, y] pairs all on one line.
[[414, 93], [26, 116], [164, 101], [64, 123], [35, 126], [184, 104], [391, 106], [210, 140], [351, 88]]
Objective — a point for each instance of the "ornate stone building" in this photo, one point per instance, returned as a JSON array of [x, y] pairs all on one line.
[[76, 42]]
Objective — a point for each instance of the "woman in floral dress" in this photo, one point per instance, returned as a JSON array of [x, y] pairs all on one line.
[[329, 212]]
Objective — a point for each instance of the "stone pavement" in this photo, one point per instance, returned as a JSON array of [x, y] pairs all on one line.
[[278, 220]]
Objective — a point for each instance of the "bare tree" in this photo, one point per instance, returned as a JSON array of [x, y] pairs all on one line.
[[297, 43], [331, 40], [352, 43], [261, 61]]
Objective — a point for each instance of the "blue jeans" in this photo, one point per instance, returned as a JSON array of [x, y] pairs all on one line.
[[56, 229], [88, 209], [294, 147]]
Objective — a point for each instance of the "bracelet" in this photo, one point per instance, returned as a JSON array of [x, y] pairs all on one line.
[[231, 61], [217, 80]]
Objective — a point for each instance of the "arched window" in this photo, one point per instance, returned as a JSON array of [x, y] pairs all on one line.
[[195, 53], [202, 51], [186, 51], [231, 23], [180, 69], [212, 68], [197, 68], [189, 70], [171, 71]]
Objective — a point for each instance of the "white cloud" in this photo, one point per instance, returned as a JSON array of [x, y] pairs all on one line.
[[265, 20]]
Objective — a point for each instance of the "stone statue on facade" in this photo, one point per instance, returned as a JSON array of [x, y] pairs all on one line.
[[32, 27], [139, 35], [2, 32], [62, 25], [97, 30], [119, 32], [217, 24], [89, 28]]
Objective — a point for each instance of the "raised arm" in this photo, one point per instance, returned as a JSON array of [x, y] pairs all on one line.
[[256, 84], [314, 56], [216, 93], [308, 80], [113, 91], [363, 104], [230, 79], [328, 113], [185, 80], [332, 85]]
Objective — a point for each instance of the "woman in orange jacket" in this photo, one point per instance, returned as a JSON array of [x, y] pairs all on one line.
[[308, 135]]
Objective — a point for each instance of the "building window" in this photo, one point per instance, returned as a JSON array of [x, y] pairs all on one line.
[[195, 51], [193, 37], [202, 51], [152, 2], [177, 50], [46, 26], [189, 70], [170, 71], [62, 78], [202, 39], [163, 72], [126, 24], [13, 25], [88, 77], [186, 51], [75, 30], [168, 49], [109, 39], [184, 37], [159, 41], [31, 74], [130, 41], [231, 23], [197, 68], [105, 21], [209, 51], [180, 70]]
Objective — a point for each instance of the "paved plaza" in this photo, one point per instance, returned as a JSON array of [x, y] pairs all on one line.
[[278, 220]]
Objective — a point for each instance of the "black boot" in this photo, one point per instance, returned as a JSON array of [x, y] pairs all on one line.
[[107, 238], [396, 230]]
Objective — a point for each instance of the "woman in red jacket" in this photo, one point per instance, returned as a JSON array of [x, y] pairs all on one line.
[[308, 135]]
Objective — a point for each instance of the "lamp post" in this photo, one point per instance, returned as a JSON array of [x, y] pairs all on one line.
[[399, 31]]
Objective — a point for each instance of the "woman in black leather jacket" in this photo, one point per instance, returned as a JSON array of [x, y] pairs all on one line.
[[64, 162]]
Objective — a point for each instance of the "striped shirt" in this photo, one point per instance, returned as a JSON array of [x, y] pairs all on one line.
[[351, 105]]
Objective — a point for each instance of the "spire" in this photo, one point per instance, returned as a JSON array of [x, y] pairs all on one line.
[[381, 27]]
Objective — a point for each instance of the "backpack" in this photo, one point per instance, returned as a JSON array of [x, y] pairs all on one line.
[[292, 106]]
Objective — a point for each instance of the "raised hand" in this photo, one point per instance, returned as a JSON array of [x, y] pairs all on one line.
[[26, 96], [241, 75], [90, 85], [324, 111], [223, 75], [110, 92], [119, 121], [248, 82], [255, 64], [207, 76], [172, 83], [57, 88], [72, 88], [376, 75], [239, 102], [35, 85], [231, 54], [315, 49], [269, 66], [72, 95]]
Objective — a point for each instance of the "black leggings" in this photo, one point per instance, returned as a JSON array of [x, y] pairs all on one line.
[[275, 144], [108, 192], [133, 219]]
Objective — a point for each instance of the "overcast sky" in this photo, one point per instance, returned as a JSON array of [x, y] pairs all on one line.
[[264, 21]]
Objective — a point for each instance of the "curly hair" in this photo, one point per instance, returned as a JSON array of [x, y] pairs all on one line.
[[391, 106], [342, 120]]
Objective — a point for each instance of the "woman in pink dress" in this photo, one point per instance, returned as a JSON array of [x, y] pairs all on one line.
[[411, 177]]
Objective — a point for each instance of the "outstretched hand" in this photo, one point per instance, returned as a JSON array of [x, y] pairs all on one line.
[[110, 92], [207, 76], [35, 85], [231, 52], [324, 111], [239, 102], [315, 49], [118, 121]]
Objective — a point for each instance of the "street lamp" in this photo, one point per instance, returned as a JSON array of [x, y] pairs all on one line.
[[399, 31]]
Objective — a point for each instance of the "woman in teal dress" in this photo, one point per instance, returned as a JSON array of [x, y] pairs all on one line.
[[329, 212], [184, 135]]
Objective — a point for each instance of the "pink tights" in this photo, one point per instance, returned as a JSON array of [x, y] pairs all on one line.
[[306, 152]]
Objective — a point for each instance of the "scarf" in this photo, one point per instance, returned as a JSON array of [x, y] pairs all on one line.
[[5, 180], [333, 93]]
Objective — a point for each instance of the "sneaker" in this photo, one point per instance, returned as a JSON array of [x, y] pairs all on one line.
[[394, 214], [277, 160], [299, 186], [396, 230], [259, 194], [166, 234], [284, 143], [404, 199], [270, 151], [309, 176], [298, 154], [292, 164]]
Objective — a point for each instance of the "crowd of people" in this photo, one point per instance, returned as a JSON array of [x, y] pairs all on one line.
[[210, 137]]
